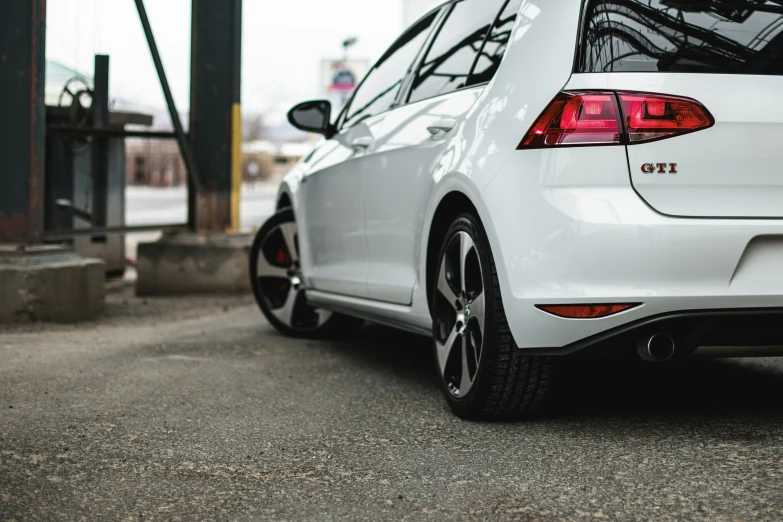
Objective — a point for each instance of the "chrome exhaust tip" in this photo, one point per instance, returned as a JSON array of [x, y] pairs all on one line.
[[657, 348]]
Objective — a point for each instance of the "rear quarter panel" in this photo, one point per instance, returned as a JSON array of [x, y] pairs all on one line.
[[537, 65], [730, 170]]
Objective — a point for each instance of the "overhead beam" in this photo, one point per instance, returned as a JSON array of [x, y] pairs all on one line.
[[22, 125]]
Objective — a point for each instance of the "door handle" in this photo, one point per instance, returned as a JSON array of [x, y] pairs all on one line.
[[361, 143], [439, 126]]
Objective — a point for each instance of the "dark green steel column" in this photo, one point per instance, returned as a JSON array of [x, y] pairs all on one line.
[[22, 120], [215, 86]]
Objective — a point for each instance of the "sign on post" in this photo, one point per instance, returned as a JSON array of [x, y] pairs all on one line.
[[340, 78]]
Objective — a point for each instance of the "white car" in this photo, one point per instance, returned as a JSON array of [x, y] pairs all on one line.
[[527, 179]]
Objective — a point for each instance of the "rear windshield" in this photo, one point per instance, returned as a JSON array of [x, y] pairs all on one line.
[[688, 36]]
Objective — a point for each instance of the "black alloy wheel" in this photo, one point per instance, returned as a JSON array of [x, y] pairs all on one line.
[[279, 285], [483, 374]]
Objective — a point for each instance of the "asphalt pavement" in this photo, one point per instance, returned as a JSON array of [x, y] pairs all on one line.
[[195, 409]]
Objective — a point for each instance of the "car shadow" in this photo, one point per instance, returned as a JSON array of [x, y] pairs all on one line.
[[589, 387], [704, 387], [389, 350]]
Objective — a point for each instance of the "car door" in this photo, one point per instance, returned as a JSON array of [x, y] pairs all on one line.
[[415, 136], [334, 186], [333, 250]]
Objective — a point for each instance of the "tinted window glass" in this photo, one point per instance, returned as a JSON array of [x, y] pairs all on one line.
[[710, 36], [495, 47], [381, 86], [451, 57]]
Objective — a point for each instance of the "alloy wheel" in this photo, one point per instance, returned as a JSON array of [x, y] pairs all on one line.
[[279, 278], [459, 313]]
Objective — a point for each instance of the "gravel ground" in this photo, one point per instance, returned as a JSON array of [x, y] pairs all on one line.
[[182, 409]]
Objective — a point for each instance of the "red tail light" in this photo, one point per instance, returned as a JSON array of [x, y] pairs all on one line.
[[651, 117], [577, 119], [609, 118]]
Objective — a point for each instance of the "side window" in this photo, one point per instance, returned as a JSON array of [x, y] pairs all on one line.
[[381, 86], [450, 58], [495, 47]]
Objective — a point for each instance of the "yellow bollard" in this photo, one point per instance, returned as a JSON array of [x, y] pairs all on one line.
[[236, 166]]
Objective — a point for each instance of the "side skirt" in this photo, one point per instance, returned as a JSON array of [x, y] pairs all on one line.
[[395, 316]]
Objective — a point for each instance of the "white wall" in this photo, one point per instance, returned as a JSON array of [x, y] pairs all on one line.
[[413, 9]]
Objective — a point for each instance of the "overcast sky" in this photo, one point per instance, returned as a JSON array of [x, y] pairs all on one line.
[[284, 42]]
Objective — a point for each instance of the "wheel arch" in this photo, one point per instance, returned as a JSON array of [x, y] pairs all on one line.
[[283, 201], [450, 206]]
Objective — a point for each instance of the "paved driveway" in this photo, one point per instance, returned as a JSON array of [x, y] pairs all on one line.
[[196, 409]]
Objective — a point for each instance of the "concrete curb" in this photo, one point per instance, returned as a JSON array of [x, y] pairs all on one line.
[[49, 284], [190, 264]]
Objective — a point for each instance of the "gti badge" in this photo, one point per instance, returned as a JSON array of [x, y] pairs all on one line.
[[661, 168]]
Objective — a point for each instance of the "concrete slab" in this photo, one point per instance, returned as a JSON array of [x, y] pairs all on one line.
[[191, 264], [49, 283]]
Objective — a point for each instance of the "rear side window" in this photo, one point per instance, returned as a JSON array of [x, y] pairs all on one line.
[[451, 57], [495, 47], [687, 36]]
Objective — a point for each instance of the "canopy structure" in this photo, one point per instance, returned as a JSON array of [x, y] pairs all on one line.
[[211, 149]]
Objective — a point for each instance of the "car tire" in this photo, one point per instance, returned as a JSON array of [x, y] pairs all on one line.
[[278, 283], [502, 382]]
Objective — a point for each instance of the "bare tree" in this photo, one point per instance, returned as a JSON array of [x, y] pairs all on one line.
[[253, 127]]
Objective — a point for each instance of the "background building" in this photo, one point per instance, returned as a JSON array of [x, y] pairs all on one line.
[[157, 163]]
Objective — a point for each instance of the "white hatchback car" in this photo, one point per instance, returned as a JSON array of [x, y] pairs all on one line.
[[526, 179]]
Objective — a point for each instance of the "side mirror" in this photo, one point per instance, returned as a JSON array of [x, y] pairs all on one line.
[[313, 116]]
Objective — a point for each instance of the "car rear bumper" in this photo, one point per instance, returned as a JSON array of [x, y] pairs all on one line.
[[566, 227], [688, 329]]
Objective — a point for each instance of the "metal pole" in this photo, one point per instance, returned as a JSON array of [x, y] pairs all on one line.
[[182, 141], [59, 235], [100, 144], [236, 137], [22, 120], [215, 113]]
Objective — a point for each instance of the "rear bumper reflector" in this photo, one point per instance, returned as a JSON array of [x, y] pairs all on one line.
[[589, 311]]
